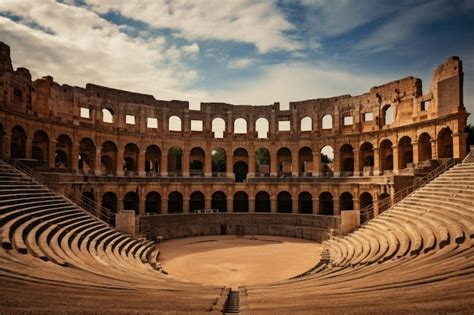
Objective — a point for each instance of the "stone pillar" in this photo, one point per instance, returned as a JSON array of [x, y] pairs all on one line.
[[251, 172], [98, 161], [164, 205], [356, 162], [273, 204], [230, 204], [376, 162], [294, 204], [416, 154], [315, 205], [229, 163], [273, 164], [28, 148], [316, 163], [74, 158], [164, 164], [186, 205], [295, 163], [208, 164], [207, 203], [251, 204], [141, 163], [141, 206], [459, 145], [396, 159], [434, 149], [119, 166], [336, 206], [185, 163], [376, 207], [337, 162], [52, 154], [6, 146]]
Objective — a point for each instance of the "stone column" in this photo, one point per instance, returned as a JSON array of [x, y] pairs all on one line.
[[295, 163], [251, 204], [273, 163], [337, 162], [164, 164], [294, 204], [208, 164], [141, 163], [6, 146], [185, 162], [229, 163], [52, 154], [316, 163], [376, 162], [459, 145], [376, 206], [186, 204], [315, 205], [141, 206], [28, 147], [356, 162], [164, 205], [434, 149], [396, 159], [336, 206], [207, 203], [251, 172], [119, 167], [416, 154], [273, 204], [230, 204], [98, 161], [74, 158]]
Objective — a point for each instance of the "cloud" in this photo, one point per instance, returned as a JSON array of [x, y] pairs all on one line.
[[241, 63], [191, 49], [254, 22]]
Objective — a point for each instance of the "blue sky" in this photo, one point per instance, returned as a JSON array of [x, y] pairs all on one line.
[[239, 51]]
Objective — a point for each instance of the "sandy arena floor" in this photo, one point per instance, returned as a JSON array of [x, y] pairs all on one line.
[[234, 262]]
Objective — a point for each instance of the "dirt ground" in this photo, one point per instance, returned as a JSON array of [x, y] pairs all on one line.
[[234, 262]]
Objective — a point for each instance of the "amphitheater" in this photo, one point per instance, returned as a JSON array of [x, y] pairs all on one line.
[[357, 204]]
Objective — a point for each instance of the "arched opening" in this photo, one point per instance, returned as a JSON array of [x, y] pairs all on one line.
[[327, 122], [347, 202], [326, 204], [196, 201], [108, 157], [218, 127], [175, 156], [347, 160], [88, 201], [40, 146], [262, 161], [386, 155], [445, 143], [131, 202], [366, 157], [284, 161], [219, 201], [63, 152], [240, 126], [152, 159], [130, 158], [388, 115], [86, 155], [405, 152], [107, 115], [424, 147], [174, 123], [262, 202], [219, 162], [153, 203], [196, 162], [175, 202], [109, 202], [240, 167], [284, 202], [241, 202], [305, 159], [366, 200], [306, 124], [305, 203], [327, 159], [18, 143], [262, 128]]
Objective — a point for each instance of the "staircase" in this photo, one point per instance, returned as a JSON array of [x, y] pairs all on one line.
[[232, 304]]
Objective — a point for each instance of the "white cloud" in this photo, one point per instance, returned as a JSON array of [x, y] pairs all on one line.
[[255, 22], [241, 63], [192, 49]]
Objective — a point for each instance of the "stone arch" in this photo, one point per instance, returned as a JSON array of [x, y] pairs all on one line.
[[240, 126], [18, 143], [326, 203], [388, 114], [197, 158], [262, 202], [405, 152], [131, 201], [284, 202], [109, 201], [86, 157], [305, 160], [366, 156], [107, 115], [306, 124], [152, 159], [262, 161], [262, 127], [175, 202], [219, 201], [240, 167], [327, 159], [346, 201], [386, 155], [218, 127], [284, 161], [326, 122], [241, 202], [219, 161], [347, 159], [424, 147], [130, 158], [305, 203], [175, 124], [63, 152], [153, 202], [40, 146], [175, 160], [445, 143], [196, 201], [108, 157]]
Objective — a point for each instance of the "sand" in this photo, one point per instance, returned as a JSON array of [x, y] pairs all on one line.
[[234, 262]]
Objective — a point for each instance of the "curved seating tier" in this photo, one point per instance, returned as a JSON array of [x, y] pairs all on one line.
[[417, 257], [56, 257]]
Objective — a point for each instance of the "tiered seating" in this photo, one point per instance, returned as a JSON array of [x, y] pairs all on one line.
[[57, 257], [417, 257]]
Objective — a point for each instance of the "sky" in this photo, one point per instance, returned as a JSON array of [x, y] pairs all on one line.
[[243, 52]]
